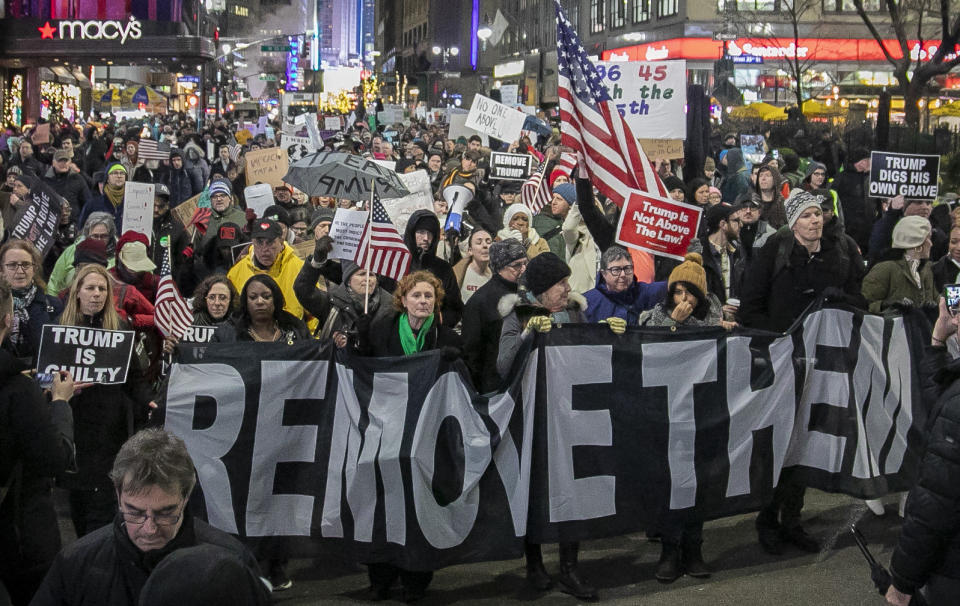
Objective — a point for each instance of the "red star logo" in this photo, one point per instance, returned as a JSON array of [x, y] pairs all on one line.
[[46, 31]]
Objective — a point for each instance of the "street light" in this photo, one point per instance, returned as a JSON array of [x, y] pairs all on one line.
[[446, 52], [226, 48], [484, 33]]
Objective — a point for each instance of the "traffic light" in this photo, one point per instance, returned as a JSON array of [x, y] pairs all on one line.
[[216, 34]]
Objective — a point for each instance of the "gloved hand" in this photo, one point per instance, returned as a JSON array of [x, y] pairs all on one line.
[[516, 235], [251, 215], [321, 249], [617, 325], [452, 236], [187, 252], [833, 294], [539, 323]]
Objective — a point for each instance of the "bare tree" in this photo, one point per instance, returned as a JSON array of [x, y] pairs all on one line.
[[929, 19]]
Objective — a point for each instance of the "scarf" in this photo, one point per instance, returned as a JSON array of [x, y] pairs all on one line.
[[22, 299], [114, 194], [454, 174], [413, 344]]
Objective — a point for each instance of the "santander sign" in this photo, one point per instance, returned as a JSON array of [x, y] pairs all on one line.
[[94, 30]]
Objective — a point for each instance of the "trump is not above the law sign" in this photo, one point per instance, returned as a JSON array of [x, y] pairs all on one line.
[[658, 225]]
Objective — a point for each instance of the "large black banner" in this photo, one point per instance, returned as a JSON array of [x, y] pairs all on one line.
[[399, 459]]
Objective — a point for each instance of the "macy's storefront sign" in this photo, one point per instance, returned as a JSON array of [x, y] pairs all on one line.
[[93, 30]]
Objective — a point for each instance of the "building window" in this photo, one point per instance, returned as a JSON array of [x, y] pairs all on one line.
[[596, 16], [668, 8], [641, 11], [847, 6], [759, 5], [618, 13]]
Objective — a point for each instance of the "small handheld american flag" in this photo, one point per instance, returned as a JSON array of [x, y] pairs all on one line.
[[591, 124], [389, 255], [148, 149], [535, 192], [172, 314]]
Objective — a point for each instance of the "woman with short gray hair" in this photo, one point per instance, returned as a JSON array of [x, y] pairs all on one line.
[[618, 292], [99, 226]]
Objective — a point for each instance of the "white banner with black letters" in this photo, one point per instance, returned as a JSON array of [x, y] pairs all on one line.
[[398, 459]]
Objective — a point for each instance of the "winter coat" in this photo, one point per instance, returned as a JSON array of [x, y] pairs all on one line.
[[36, 439], [534, 243], [737, 179], [45, 309], [481, 332], [71, 186], [550, 228], [881, 237], [336, 309], [168, 234], [383, 337], [107, 569], [63, 270], [629, 304], [581, 252], [714, 271], [929, 540], [232, 214], [180, 186], [659, 316], [859, 210], [102, 204], [451, 308], [890, 282], [516, 309], [236, 330], [284, 270], [945, 271], [784, 279]]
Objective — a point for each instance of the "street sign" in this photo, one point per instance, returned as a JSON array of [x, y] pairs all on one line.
[[268, 77], [725, 36], [275, 48]]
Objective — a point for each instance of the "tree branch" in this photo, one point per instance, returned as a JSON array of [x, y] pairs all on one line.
[[858, 4]]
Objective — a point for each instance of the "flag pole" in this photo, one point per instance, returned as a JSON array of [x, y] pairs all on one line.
[[366, 287]]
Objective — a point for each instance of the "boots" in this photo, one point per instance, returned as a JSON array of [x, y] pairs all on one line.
[[668, 569], [693, 563], [570, 581], [537, 575]]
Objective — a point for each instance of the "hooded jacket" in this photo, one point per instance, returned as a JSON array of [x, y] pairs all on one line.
[[534, 243], [452, 305], [737, 179], [859, 210], [71, 186], [284, 270]]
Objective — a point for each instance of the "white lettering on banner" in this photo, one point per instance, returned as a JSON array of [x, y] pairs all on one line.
[[765, 410], [659, 360], [188, 383], [283, 514], [573, 498], [823, 387], [448, 525], [344, 449], [101, 30]]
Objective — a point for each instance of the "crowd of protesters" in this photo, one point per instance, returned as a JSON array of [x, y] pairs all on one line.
[[775, 236]]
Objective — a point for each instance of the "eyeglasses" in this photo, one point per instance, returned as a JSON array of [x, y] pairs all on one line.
[[616, 271], [164, 519], [819, 173], [26, 266], [518, 265]]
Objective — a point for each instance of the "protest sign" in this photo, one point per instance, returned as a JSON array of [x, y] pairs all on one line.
[[650, 95], [495, 119], [211, 151], [138, 208], [346, 231], [303, 249], [92, 355], [754, 147], [332, 123], [198, 334], [390, 165], [509, 94], [593, 434], [662, 149], [658, 225], [41, 134], [458, 128], [312, 131], [907, 175], [296, 147], [37, 217], [266, 166], [391, 114], [238, 251], [258, 197], [421, 197], [184, 211], [513, 167]]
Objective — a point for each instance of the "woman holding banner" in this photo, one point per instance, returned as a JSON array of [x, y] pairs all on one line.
[[262, 317], [414, 327], [21, 267], [104, 416]]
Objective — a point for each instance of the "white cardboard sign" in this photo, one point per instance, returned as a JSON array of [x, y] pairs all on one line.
[[138, 208], [495, 119], [259, 197], [346, 231]]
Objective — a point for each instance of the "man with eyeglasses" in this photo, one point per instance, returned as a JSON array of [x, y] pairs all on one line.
[[481, 318], [721, 255], [68, 183], [153, 476]]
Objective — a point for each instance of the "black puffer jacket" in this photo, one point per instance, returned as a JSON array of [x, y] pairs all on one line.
[[481, 332], [452, 307], [859, 210], [930, 536]]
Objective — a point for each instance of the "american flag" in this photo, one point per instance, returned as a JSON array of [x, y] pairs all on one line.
[[591, 124], [388, 253], [535, 192], [172, 314], [234, 150], [148, 149]]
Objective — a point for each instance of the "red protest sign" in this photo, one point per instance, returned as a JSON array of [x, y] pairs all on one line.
[[658, 225]]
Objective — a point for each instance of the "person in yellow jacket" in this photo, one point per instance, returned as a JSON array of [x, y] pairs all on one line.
[[270, 254]]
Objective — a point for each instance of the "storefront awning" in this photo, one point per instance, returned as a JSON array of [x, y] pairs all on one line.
[[82, 79], [63, 75]]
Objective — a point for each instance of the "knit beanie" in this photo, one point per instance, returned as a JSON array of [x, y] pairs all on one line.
[[567, 191], [545, 270], [812, 167], [505, 252], [349, 268], [27, 180], [671, 183], [131, 236], [203, 574], [910, 232], [115, 167], [321, 214], [798, 202], [90, 250], [278, 214], [220, 186], [690, 271], [556, 174]]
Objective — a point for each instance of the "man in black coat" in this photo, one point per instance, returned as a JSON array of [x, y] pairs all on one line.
[[153, 476], [177, 180], [421, 237], [481, 319], [927, 554], [36, 443], [69, 184], [169, 234], [859, 209]]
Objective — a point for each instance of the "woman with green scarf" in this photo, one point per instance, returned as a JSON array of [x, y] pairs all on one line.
[[413, 328], [111, 199]]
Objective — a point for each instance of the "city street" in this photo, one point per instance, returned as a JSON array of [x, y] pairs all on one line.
[[623, 567]]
